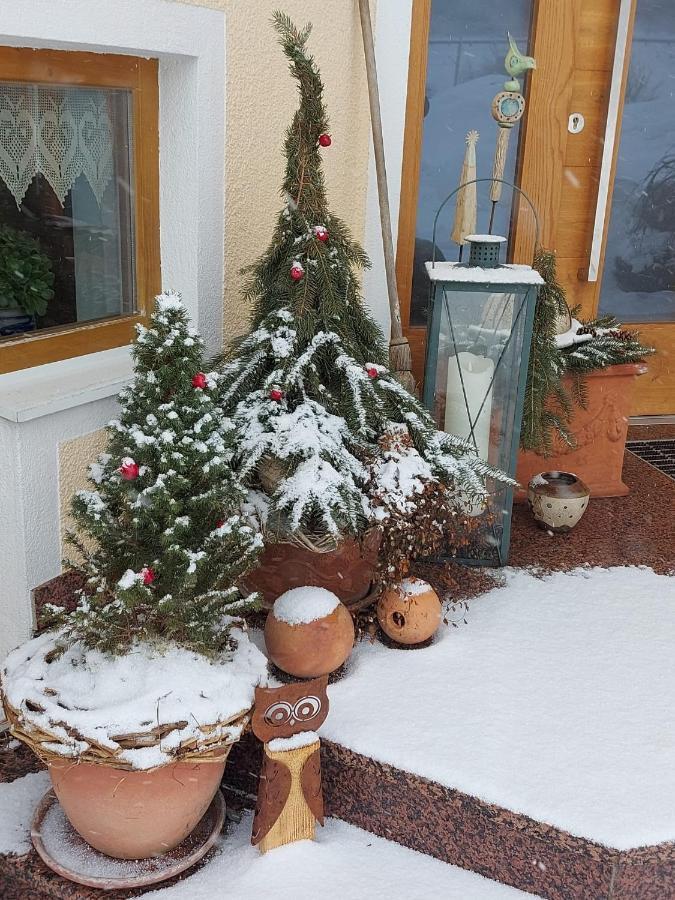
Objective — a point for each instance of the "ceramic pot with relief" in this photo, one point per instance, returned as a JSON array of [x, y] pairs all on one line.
[[557, 500]]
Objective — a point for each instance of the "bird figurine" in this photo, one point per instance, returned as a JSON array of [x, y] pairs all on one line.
[[516, 63], [290, 800]]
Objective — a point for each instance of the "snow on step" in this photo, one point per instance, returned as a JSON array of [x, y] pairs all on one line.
[[344, 863], [556, 700]]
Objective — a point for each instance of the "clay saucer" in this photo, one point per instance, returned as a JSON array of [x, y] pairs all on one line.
[[69, 855]]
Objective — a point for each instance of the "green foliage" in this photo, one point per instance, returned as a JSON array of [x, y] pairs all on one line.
[[550, 401], [163, 548], [26, 276], [610, 345], [548, 406], [309, 389]]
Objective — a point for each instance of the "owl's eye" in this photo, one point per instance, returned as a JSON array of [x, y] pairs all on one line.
[[306, 708], [278, 713]]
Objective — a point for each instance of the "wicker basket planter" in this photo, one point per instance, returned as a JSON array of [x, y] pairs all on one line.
[[600, 431], [137, 794], [346, 570]]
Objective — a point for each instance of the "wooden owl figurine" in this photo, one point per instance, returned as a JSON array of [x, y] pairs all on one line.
[[289, 794]]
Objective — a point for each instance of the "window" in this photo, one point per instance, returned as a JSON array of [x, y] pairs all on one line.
[[79, 207]]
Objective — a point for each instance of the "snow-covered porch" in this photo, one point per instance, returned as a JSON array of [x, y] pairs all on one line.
[[532, 746]]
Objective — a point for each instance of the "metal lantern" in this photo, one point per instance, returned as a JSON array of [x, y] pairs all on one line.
[[478, 344]]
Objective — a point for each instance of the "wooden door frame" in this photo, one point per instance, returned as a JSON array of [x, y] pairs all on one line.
[[410, 176]]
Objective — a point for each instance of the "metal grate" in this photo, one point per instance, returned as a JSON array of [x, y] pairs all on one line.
[[660, 454]]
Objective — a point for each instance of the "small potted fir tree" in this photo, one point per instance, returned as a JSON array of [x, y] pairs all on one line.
[[149, 680], [309, 388]]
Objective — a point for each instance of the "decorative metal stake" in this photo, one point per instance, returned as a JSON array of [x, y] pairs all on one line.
[[508, 107]]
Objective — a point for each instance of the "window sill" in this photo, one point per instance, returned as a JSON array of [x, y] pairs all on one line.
[[52, 388]]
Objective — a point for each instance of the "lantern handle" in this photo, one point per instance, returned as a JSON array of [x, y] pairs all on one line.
[[478, 181]]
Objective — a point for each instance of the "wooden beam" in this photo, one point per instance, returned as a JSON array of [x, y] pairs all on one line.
[[543, 141]]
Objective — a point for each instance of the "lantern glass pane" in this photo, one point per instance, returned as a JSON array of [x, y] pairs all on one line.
[[477, 339]]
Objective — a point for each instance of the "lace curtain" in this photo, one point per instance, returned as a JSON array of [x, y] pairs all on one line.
[[61, 133]]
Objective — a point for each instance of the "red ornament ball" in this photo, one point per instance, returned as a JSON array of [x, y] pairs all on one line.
[[148, 575], [321, 233], [199, 381], [276, 394], [325, 140], [297, 271], [372, 371], [129, 469], [220, 523]]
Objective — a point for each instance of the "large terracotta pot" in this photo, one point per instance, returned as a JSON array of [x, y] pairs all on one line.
[[135, 814], [600, 431], [346, 571]]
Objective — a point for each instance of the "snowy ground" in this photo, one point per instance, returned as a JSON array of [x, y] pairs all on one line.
[[344, 863], [554, 701]]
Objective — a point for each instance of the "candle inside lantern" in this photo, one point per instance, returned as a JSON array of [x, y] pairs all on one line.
[[460, 410]]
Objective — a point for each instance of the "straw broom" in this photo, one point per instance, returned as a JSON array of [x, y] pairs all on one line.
[[400, 358], [465, 207]]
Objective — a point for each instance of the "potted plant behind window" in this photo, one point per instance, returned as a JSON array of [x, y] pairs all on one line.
[[578, 394], [150, 680], [26, 281], [309, 388]]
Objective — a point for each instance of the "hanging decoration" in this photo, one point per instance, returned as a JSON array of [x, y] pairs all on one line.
[[60, 133]]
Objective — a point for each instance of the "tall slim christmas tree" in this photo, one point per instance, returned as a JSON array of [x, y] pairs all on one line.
[[161, 534], [308, 388]]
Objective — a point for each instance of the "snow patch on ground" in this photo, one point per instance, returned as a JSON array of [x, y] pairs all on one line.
[[343, 862], [412, 587], [555, 701], [18, 800], [302, 605]]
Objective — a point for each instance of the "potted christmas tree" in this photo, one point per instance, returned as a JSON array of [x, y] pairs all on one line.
[[309, 389], [578, 393], [149, 680]]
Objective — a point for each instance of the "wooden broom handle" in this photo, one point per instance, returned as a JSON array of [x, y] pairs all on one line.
[[499, 165], [380, 169]]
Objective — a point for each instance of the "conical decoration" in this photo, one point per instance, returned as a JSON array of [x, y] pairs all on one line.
[[465, 208]]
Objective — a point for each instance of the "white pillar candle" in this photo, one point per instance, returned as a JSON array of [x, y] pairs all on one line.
[[476, 373]]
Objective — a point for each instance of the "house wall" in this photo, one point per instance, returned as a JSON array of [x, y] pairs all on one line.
[[260, 101]]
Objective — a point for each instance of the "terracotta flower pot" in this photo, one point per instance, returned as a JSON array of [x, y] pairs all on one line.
[[410, 612], [346, 571], [135, 814], [600, 431], [310, 649]]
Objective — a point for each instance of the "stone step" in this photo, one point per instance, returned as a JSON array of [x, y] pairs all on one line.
[[465, 831]]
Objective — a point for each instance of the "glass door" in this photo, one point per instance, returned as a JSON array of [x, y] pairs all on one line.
[[465, 70], [638, 277], [638, 283], [457, 54]]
